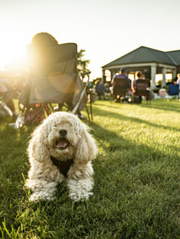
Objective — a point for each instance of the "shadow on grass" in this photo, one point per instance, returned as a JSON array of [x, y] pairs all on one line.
[[126, 197], [101, 112], [173, 106], [112, 142]]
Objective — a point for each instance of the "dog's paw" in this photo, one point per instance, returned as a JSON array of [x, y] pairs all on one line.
[[40, 196], [75, 197]]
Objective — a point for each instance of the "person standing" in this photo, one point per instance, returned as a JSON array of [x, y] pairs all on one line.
[[178, 80]]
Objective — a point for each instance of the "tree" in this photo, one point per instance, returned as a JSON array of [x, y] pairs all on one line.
[[81, 63]]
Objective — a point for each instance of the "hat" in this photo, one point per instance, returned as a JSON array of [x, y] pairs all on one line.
[[123, 69]]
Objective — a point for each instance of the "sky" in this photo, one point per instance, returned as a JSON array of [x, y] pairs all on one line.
[[105, 29]]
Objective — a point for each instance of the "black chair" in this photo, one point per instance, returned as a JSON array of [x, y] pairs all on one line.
[[174, 90], [100, 90], [120, 88], [142, 89], [4, 98], [53, 78]]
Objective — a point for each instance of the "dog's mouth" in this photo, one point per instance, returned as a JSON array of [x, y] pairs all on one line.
[[62, 143]]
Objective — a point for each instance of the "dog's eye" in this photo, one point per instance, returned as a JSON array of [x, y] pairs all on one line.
[[69, 124]]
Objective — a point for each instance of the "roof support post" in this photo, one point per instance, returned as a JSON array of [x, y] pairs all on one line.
[[164, 77], [103, 76], [153, 74], [174, 74]]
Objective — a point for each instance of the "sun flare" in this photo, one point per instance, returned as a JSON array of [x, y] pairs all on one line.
[[12, 48]]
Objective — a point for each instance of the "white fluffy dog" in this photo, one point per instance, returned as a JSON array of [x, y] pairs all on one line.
[[61, 149]]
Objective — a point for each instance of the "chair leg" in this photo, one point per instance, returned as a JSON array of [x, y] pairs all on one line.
[[91, 111], [87, 112], [111, 98], [52, 108]]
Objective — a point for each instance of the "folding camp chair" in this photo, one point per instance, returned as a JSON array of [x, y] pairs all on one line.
[[53, 78], [120, 88], [174, 90], [4, 98], [142, 89]]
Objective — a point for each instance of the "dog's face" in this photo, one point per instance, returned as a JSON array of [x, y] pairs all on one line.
[[63, 132], [62, 136]]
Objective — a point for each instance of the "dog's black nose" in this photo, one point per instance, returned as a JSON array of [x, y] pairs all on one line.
[[63, 132]]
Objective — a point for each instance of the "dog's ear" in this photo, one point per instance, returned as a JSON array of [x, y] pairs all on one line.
[[86, 148], [37, 148]]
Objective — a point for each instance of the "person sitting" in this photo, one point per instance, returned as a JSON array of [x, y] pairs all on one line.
[[44, 39], [138, 99], [138, 76], [5, 86], [99, 89], [122, 74], [178, 80], [106, 88]]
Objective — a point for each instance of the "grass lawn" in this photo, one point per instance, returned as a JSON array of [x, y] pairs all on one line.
[[137, 179]]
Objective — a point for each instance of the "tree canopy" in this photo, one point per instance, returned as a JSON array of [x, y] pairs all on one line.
[[81, 63]]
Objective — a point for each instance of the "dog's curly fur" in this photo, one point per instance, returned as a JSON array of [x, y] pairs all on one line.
[[62, 136]]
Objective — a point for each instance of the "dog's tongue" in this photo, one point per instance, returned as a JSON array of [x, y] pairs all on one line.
[[62, 143]]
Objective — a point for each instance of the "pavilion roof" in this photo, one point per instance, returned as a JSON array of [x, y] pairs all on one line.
[[147, 55], [175, 56]]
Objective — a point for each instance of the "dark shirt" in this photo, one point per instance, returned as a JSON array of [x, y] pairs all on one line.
[[100, 89], [122, 76]]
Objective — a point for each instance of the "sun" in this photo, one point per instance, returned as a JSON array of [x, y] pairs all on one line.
[[12, 47]]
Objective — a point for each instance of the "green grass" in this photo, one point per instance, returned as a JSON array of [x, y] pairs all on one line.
[[137, 179]]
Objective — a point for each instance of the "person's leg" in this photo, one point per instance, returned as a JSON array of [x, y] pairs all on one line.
[[99, 97], [11, 106], [140, 99]]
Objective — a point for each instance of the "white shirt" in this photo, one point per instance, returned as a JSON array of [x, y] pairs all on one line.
[[178, 82]]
